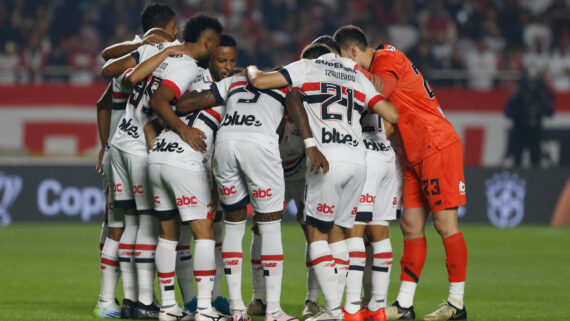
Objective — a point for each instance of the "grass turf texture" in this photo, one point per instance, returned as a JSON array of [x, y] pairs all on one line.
[[51, 272]]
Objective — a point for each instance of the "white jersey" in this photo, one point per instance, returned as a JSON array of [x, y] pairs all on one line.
[[129, 136], [251, 114], [168, 147], [335, 96], [374, 134], [292, 151]]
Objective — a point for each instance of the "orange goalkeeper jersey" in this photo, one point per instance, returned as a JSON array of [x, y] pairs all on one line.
[[422, 125]]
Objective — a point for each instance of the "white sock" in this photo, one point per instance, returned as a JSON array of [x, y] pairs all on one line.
[[232, 256], [219, 231], [367, 277], [406, 294], [109, 270], [323, 263], [184, 268], [103, 236], [165, 266], [357, 256], [147, 237], [127, 258], [381, 267], [257, 277], [205, 271], [312, 282], [272, 259], [456, 291], [339, 252]]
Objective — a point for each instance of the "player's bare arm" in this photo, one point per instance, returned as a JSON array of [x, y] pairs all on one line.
[[104, 106], [146, 67], [152, 37], [114, 68], [265, 80], [387, 110], [388, 129], [160, 103], [294, 104], [151, 130], [195, 100]]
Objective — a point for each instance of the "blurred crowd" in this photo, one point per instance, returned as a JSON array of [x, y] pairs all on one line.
[[477, 43]]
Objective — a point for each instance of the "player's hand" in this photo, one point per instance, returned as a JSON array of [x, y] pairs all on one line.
[[378, 83], [195, 138], [99, 166], [178, 50], [154, 39], [318, 160]]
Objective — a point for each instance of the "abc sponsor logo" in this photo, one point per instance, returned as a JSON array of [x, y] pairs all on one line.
[[367, 198], [226, 191], [325, 208], [85, 202], [261, 193], [185, 201]]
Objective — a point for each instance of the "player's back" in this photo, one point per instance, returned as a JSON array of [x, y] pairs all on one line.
[[422, 125]]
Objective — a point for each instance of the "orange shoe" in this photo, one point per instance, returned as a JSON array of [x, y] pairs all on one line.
[[379, 315], [358, 316]]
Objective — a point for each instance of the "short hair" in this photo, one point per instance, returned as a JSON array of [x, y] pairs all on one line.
[[327, 41], [227, 41], [156, 15], [350, 35], [197, 24], [314, 51]]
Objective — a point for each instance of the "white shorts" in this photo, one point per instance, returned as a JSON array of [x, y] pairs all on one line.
[[130, 179], [178, 191], [333, 198], [115, 217], [295, 190], [249, 172], [379, 199]]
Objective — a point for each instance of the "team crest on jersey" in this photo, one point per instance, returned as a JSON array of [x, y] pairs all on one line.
[[505, 199]]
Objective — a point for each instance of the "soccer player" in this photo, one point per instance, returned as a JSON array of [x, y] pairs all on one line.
[[326, 103], [433, 177], [222, 61], [247, 168]]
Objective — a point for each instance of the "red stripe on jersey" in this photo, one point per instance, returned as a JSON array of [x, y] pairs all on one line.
[[214, 114], [311, 86], [120, 95], [283, 89], [326, 258], [357, 254], [167, 274], [126, 73], [123, 246], [172, 86], [182, 247], [385, 255], [272, 257], [339, 261], [237, 83], [226, 255], [360, 96], [255, 261], [205, 273], [109, 262], [145, 247], [373, 102]]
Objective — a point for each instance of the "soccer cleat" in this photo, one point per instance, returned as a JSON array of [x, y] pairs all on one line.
[[325, 315], [279, 316], [358, 316], [222, 305], [128, 308], [310, 310], [396, 312], [447, 311], [173, 312], [240, 316], [146, 312], [210, 314], [110, 311], [190, 306], [379, 315], [256, 307]]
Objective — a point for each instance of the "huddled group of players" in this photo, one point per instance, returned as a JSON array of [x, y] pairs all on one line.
[[348, 132]]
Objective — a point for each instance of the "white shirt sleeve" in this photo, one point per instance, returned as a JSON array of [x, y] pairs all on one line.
[[180, 74], [295, 72]]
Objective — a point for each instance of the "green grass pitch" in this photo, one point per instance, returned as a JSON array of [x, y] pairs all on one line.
[[51, 272]]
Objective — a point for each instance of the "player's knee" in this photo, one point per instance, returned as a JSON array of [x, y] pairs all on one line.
[[115, 233], [268, 217], [203, 229], [236, 216]]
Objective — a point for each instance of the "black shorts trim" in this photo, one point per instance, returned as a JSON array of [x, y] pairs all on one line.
[[126, 204], [318, 223], [236, 206], [364, 217], [166, 215]]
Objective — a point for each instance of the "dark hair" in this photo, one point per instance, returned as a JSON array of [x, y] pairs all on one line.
[[199, 23], [156, 15], [350, 35], [327, 41], [314, 51], [227, 41]]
